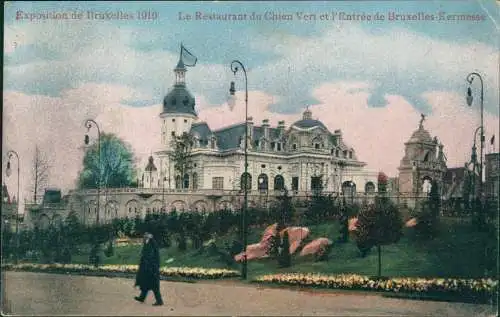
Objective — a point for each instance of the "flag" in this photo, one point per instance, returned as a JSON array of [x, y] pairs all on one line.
[[187, 58], [492, 141]]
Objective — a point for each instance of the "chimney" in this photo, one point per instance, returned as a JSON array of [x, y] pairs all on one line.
[[338, 136], [265, 126], [281, 127], [250, 128]]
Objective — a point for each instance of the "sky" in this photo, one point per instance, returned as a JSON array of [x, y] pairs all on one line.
[[369, 68]]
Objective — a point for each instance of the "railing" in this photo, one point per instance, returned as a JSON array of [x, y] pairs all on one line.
[[237, 192]]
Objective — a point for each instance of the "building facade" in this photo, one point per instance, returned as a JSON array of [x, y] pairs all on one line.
[[492, 176], [423, 164]]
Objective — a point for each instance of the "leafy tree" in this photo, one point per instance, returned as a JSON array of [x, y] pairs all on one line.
[[181, 156], [378, 224], [116, 167], [382, 181]]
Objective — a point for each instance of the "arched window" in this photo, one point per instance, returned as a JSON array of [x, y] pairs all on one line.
[[246, 178], [178, 182], [279, 182], [369, 188], [263, 182], [186, 181], [348, 188], [195, 181]]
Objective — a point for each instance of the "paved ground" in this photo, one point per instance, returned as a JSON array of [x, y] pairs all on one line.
[[55, 294]]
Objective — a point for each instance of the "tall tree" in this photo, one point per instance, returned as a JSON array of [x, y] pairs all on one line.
[[116, 167], [378, 224], [181, 156], [39, 173]]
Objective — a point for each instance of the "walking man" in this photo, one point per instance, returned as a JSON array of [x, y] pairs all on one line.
[[148, 276]]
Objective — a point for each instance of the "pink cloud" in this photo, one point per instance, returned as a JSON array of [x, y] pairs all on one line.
[[377, 134]]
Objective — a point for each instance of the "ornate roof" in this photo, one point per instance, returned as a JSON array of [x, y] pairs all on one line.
[[307, 121], [151, 165], [420, 135], [179, 100]]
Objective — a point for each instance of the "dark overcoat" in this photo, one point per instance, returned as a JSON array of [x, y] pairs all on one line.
[[148, 275]]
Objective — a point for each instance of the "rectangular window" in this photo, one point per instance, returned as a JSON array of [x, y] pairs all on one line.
[[294, 146], [279, 146], [218, 183], [345, 154], [350, 154], [295, 183], [337, 153], [173, 133], [273, 146]]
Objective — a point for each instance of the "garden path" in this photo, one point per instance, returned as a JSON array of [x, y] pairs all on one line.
[[55, 294]]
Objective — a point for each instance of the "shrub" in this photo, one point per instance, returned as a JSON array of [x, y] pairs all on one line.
[[181, 241], [378, 224], [109, 252]]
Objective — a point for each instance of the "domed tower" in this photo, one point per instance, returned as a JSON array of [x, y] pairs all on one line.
[[178, 107], [150, 176], [423, 163]]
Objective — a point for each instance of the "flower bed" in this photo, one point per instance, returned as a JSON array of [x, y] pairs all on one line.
[[182, 272], [474, 288]]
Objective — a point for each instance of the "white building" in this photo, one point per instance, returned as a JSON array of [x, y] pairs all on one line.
[[303, 157]]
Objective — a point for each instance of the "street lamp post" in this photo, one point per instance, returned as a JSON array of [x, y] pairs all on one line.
[[88, 125], [8, 172], [469, 99], [232, 90]]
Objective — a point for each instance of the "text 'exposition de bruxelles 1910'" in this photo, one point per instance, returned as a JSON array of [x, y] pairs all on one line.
[[332, 16]]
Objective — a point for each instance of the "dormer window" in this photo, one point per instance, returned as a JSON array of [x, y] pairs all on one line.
[[294, 146], [337, 152], [316, 146], [345, 153]]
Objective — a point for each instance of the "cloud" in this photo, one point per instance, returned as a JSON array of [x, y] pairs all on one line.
[[289, 66]]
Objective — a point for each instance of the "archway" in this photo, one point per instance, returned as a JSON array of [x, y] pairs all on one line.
[[57, 220], [279, 182], [246, 178], [426, 184], [348, 188], [132, 208], [178, 205], [369, 188], [263, 182], [43, 222], [200, 206]]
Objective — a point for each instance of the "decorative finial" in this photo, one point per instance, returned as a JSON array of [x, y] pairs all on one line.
[[421, 124]]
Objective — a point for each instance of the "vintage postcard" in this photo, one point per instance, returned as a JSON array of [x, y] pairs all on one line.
[[255, 148]]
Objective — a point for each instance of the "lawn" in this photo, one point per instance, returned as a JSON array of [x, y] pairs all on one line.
[[456, 252]]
